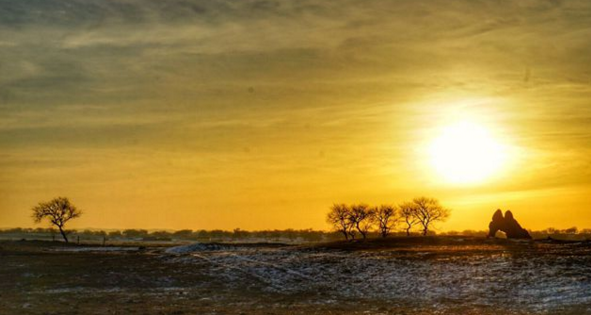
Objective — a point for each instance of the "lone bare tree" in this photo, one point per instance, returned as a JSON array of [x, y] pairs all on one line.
[[386, 217], [428, 210], [360, 217], [338, 217], [58, 211], [408, 213]]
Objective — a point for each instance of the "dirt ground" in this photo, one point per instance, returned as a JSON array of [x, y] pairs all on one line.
[[395, 276]]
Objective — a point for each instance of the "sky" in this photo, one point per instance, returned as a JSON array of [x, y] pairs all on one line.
[[218, 114]]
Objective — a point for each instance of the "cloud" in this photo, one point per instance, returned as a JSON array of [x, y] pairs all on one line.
[[299, 87]]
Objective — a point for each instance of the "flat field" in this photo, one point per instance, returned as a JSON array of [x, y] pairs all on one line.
[[432, 275]]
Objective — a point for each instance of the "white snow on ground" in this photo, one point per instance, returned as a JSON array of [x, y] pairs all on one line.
[[539, 283], [77, 290], [191, 248]]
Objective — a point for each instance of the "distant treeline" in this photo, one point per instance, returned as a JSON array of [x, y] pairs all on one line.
[[289, 235], [572, 233]]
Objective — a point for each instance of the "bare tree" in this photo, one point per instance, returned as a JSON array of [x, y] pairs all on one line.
[[58, 211], [408, 213], [386, 217], [428, 210], [338, 217], [360, 217]]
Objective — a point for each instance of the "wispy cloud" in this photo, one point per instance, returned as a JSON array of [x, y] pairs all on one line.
[[269, 88]]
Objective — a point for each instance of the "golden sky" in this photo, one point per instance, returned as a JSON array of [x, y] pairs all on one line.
[[260, 114]]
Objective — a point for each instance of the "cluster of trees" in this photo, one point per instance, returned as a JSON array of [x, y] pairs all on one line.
[[571, 230], [346, 220], [350, 220]]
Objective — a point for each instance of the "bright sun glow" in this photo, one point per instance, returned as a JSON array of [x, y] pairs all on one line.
[[466, 152]]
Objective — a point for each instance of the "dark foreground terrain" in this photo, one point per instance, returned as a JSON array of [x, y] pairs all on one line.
[[435, 275]]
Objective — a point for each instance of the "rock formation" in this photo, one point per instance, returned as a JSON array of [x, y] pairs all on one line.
[[506, 224], [497, 223]]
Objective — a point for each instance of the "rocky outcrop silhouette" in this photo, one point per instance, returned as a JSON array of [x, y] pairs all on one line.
[[497, 223], [508, 225]]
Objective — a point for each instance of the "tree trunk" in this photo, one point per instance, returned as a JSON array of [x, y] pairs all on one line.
[[359, 229], [408, 230], [63, 234], [426, 227]]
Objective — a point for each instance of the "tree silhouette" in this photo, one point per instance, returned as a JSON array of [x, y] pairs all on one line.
[[360, 217], [58, 211], [428, 210], [385, 216], [338, 217], [408, 213]]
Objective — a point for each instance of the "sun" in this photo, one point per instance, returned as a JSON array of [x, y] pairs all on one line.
[[466, 152]]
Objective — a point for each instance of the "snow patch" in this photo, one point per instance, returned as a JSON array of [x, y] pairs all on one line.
[[538, 281], [191, 248]]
